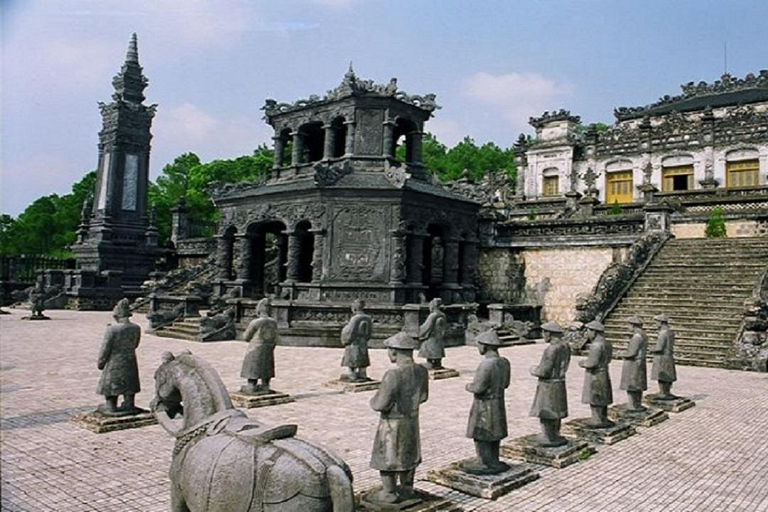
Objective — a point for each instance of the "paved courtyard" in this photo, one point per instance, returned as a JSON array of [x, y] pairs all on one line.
[[713, 457]]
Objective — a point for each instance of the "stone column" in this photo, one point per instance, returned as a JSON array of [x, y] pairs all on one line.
[[279, 148], [318, 269], [416, 138], [330, 141], [397, 262], [415, 260], [179, 221], [389, 139], [450, 261], [298, 148], [470, 262], [246, 257], [349, 144], [294, 252], [224, 257]]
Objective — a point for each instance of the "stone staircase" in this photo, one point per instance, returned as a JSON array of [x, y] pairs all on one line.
[[184, 329], [701, 284]]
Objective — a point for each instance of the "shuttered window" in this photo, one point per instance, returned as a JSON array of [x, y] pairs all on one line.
[[551, 186], [679, 177], [745, 173], [618, 187]]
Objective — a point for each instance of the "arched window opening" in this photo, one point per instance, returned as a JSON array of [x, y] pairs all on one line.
[[306, 249], [283, 148], [340, 139], [269, 256], [314, 140], [404, 133]]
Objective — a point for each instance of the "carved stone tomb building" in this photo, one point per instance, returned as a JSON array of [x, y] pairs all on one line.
[[342, 217]]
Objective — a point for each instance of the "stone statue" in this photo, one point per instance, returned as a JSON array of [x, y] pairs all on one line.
[[354, 337], [663, 369], [488, 417], [158, 318], [259, 362], [218, 327], [223, 461], [37, 301], [634, 375], [431, 334], [597, 380], [397, 446], [550, 404], [117, 362]]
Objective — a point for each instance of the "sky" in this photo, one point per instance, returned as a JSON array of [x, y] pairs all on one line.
[[211, 64]]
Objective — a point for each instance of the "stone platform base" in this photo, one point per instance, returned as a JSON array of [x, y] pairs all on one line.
[[678, 404], [443, 373], [483, 486], [245, 401], [580, 429], [527, 449], [36, 317], [421, 502], [353, 387], [97, 422], [648, 418]]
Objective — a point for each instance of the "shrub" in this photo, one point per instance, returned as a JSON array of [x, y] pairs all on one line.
[[716, 224]]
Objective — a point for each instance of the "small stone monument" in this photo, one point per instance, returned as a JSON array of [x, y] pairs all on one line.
[[397, 447], [550, 405], [598, 393], [259, 362], [119, 376], [355, 336], [664, 372], [634, 380], [431, 335], [37, 302], [486, 476]]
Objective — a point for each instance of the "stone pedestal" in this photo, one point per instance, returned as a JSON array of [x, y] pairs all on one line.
[[677, 404], [483, 486], [246, 401], [98, 422], [351, 386], [443, 373], [421, 502], [644, 419], [36, 317], [581, 429], [527, 449]]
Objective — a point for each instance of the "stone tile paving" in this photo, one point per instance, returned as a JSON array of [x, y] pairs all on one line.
[[713, 457]]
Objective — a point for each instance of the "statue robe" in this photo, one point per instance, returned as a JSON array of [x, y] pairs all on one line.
[[634, 373], [117, 360], [597, 381], [488, 416], [431, 334], [551, 400], [354, 337], [664, 359], [259, 361], [397, 446]]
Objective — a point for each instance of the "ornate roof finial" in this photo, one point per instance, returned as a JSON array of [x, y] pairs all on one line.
[[133, 50]]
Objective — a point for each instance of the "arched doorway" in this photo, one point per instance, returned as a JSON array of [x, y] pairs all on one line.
[[269, 245]]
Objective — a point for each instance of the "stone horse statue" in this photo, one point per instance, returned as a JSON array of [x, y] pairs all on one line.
[[224, 461]]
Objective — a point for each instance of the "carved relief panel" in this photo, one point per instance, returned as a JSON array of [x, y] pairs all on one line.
[[359, 237], [369, 132]]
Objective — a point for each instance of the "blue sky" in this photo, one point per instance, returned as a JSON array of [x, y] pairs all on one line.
[[211, 64]]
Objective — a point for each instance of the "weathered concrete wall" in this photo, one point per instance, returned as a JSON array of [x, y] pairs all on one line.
[[734, 229], [551, 277]]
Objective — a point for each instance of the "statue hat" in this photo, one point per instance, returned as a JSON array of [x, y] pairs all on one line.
[[488, 337], [402, 340], [595, 326], [661, 318], [122, 309], [634, 320], [552, 327]]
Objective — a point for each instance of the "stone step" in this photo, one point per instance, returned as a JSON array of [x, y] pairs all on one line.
[[182, 329], [672, 306], [699, 286], [683, 336], [175, 335], [681, 320], [715, 291]]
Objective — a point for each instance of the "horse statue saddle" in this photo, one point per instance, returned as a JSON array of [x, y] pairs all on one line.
[[237, 424]]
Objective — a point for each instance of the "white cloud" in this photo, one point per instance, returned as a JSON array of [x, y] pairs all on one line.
[[336, 4], [517, 95], [447, 131]]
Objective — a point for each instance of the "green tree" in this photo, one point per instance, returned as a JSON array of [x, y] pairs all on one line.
[[716, 224]]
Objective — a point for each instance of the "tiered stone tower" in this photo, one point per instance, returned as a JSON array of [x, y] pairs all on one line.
[[116, 235]]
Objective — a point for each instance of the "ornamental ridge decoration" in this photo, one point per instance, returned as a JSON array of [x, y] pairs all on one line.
[[555, 115], [727, 83], [350, 86]]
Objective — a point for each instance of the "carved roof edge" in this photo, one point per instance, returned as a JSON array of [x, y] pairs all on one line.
[[691, 90], [350, 86], [555, 115]]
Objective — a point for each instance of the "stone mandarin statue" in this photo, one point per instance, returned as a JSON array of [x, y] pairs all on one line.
[[37, 300], [397, 446], [663, 369], [634, 374], [431, 334], [259, 361], [597, 380], [550, 404], [117, 362], [354, 337], [488, 417]]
